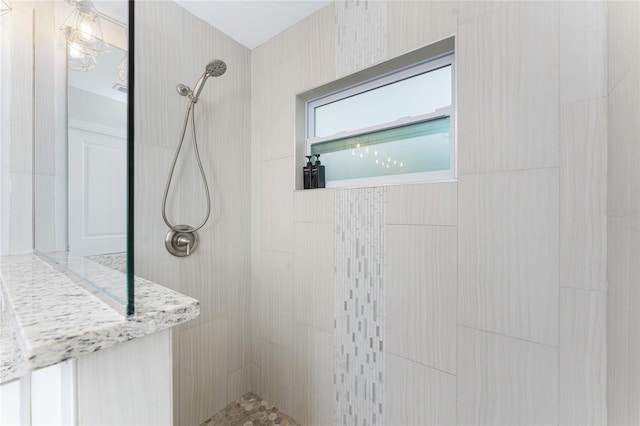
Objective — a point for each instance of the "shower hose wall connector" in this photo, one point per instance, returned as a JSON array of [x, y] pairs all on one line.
[[182, 240]]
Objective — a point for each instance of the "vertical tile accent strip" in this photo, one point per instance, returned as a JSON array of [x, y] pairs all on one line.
[[360, 252], [361, 34]]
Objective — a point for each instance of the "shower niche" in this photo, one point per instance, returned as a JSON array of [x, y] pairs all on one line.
[[82, 213]]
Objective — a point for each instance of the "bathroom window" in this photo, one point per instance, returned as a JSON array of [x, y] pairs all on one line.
[[391, 129]]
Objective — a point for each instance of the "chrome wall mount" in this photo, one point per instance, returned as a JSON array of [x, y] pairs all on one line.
[[181, 242]]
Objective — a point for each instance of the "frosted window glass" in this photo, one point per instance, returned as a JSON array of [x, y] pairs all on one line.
[[414, 148], [413, 96]]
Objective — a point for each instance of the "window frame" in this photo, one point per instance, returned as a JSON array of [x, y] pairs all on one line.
[[425, 66]]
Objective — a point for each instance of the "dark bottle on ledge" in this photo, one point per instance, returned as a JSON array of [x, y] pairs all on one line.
[[306, 173], [317, 174]]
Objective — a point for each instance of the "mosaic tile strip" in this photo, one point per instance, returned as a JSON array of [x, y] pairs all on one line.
[[360, 249], [361, 34]]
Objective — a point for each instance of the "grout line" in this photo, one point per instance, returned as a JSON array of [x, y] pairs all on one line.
[[421, 363], [559, 211], [424, 225], [508, 336], [526, 169], [582, 289]]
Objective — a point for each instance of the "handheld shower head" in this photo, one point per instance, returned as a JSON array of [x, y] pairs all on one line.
[[214, 68]]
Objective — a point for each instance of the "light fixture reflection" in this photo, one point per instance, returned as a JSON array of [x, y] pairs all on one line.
[[123, 70], [5, 7], [85, 40]]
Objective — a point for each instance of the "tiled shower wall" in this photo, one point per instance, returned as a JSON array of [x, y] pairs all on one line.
[[623, 211], [496, 289], [211, 353], [33, 26]]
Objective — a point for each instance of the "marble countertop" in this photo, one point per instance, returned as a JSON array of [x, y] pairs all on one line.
[[47, 318]]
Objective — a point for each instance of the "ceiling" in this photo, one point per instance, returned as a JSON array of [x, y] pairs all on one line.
[[249, 22], [252, 22]]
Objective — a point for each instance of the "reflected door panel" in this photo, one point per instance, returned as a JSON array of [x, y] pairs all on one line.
[[97, 190]]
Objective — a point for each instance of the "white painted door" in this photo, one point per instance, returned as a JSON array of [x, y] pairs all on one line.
[[97, 190]]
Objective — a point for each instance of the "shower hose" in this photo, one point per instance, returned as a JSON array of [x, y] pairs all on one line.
[[190, 113]]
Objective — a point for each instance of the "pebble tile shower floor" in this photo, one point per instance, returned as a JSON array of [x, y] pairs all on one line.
[[250, 410]]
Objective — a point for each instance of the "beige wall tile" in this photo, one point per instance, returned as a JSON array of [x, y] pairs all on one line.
[[313, 391], [163, 273], [623, 301], [276, 376], [622, 322], [421, 294], [257, 361], [623, 38], [20, 220], [418, 395], [200, 279], [277, 275], [275, 115], [319, 62], [239, 349], [413, 24], [48, 90], [297, 59], [623, 147], [582, 357], [583, 50], [255, 377], [313, 206], [505, 381], [423, 204], [152, 165], [313, 271], [44, 225], [256, 234], [507, 65], [239, 383], [634, 327], [203, 371], [261, 315], [21, 130], [583, 194], [468, 10], [277, 205], [508, 253], [302, 56]]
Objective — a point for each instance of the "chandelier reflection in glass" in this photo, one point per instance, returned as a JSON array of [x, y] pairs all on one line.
[[85, 40], [123, 71], [5, 7]]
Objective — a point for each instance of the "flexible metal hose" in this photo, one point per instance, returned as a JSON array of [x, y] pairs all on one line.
[[190, 111]]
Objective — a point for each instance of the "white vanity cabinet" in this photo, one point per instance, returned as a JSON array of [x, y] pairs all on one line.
[[67, 358], [126, 384]]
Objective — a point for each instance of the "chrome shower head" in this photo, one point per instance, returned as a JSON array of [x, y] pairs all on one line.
[[216, 68]]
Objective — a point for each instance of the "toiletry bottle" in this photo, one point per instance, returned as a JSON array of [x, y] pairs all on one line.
[[306, 173], [317, 174]]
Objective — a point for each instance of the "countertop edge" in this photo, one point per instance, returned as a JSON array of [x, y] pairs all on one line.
[[31, 342]]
